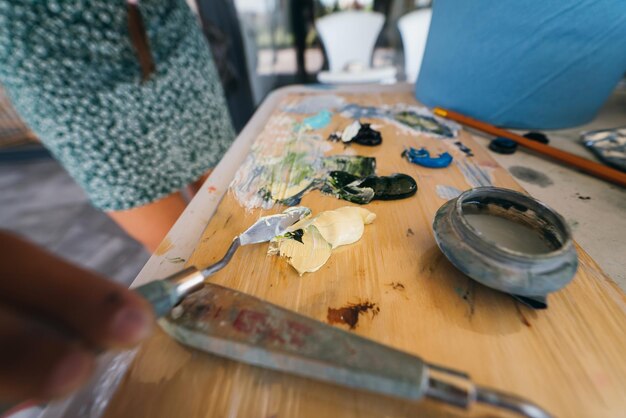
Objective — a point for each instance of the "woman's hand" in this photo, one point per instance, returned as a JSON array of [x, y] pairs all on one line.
[[54, 317]]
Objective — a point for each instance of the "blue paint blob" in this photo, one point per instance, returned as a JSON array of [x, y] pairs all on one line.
[[319, 120], [422, 157]]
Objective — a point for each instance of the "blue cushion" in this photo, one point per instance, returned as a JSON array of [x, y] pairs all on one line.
[[524, 64]]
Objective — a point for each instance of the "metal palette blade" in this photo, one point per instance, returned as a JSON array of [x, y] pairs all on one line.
[[270, 226]]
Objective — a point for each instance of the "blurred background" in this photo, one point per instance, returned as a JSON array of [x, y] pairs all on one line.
[[274, 43]]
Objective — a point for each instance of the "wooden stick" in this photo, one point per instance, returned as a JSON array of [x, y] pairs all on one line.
[[588, 166]]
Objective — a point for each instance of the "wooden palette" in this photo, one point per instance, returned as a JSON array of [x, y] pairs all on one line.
[[569, 359]]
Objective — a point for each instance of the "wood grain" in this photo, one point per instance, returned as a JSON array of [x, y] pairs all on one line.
[[569, 359]]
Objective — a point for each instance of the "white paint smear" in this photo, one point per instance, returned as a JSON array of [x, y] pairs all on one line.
[[315, 103], [447, 192], [475, 175]]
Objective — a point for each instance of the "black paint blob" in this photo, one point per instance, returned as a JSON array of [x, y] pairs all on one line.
[[537, 136], [367, 136], [295, 235], [503, 145]]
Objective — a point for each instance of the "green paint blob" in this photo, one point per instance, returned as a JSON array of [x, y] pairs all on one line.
[[363, 190]]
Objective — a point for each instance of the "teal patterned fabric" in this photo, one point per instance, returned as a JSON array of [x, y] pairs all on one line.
[[71, 72]]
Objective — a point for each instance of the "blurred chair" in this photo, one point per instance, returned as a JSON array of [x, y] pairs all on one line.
[[414, 31], [225, 33], [349, 39]]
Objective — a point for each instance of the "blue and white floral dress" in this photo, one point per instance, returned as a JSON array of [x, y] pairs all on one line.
[[71, 71]]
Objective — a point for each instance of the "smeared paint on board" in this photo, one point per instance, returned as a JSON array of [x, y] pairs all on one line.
[[521, 315], [175, 260], [410, 119], [464, 148], [266, 179], [288, 158], [318, 121], [315, 103], [396, 286], [531, 176], [475, 174], [355, 111], [447, 192], [469, 297], [279, 168], [349, 314]]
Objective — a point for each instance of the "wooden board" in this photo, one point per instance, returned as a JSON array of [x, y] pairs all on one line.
[[569, 359]]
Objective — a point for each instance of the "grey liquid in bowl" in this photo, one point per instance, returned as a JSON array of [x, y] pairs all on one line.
[[514, 227], [508, 234], [507, 240]]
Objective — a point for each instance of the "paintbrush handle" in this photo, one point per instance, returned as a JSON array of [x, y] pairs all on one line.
[[588, 166]]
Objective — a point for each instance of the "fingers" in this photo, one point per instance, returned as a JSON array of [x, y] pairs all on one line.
[[37, 362], [103, 313]]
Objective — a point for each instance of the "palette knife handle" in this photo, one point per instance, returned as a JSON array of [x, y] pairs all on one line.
[[164, 294]]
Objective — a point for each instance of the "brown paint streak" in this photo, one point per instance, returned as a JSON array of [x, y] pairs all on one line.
[[209, 237], [430, 259], [522, 317], [396, 286], [469, 297], [349, 314]]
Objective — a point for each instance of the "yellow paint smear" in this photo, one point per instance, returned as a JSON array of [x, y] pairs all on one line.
[[328, 230]]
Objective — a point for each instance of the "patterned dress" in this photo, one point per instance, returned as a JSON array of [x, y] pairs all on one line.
[[71, 72]]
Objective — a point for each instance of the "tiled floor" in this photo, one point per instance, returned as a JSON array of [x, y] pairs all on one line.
[[40, 201]]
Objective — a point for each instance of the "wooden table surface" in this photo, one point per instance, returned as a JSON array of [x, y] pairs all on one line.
[[569, 359]]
